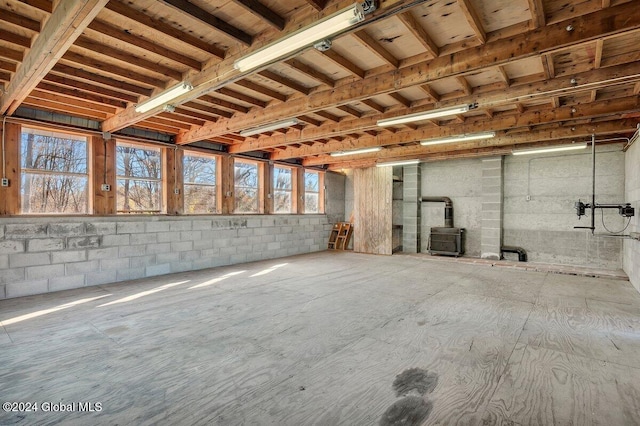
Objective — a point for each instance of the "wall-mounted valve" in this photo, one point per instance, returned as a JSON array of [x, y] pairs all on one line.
[[624, 210]]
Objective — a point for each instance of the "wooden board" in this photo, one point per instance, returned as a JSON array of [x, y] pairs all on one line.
[[372, 210]]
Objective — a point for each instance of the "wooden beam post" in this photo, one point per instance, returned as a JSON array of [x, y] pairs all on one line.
[[299, 190], [10, 195], [173, 181], [267, 187], [64, 26], [103, 162], [227, 181]]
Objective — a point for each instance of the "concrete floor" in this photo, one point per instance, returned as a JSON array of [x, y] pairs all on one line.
[[329, 338]]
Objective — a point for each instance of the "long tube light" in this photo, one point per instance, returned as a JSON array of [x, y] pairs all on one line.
[[269, 127], [304, 37], [398, 163], [164, 97], [460, 138], [427, 115], [356, 151], [550, 149]]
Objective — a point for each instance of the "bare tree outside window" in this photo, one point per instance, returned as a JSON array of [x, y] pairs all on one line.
[[282, 188], [199, 184], [54, 172], [246, 178], [311, 192], [138, 179]]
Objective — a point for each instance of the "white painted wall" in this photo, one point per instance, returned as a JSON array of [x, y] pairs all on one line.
[[631, 257]]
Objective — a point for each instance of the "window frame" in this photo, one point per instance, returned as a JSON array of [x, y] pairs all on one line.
[[161, 180], [320, 191], [22, 171], [217, 185], [293, 192], [259, 189]]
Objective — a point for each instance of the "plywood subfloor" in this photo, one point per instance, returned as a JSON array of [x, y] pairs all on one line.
[[326, 339]]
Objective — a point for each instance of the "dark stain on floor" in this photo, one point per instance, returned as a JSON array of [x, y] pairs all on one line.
[[415, 380], [408, 411]]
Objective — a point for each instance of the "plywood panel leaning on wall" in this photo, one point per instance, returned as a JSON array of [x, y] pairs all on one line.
[[372, 210]]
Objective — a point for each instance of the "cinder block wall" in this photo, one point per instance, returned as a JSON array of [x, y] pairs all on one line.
[[543, 224], [631, 257], [40, 255], [460, 180]]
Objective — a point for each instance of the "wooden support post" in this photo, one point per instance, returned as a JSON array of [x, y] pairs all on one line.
[[173, 181], [104, 154], [299, 190], [10, 195], [267, 188], [227, 184]]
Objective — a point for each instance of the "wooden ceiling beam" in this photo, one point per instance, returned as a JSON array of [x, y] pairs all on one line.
[[20, 21], [350, 110], [311, 72], [11, 54], [372, 45], [80, 94], [419, 33], [225, 91], [66, 70], [258, 88], [343, 62], [331, 117], [13, 38], [310, 120], [613, 20], [538, 18], [207, 109], [164, 28], [263, 12], [503, 75], [93, 46], [501, 121], [66, 23], [466, 87], [435, 96], [597, 59], [111, 68], [567, 132], [75, 111], [188, 8], [317, 4], [118, 34], [61, 98], [285, 82], [400, 99], [373, 105], [223, 104], [473, 19]]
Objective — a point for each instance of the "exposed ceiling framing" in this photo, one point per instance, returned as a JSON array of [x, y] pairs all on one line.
[[540, 71]]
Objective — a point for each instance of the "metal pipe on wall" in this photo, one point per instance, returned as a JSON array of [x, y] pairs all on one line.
[[448, 208]]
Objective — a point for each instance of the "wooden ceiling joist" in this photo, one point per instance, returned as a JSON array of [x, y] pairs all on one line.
[[20, 21], [65, 25], [419, 33], [258, 88], [473, 19], [186, 7], [310, 72], [263, 12], [538, 18], [607, 21], [343, 62], [165, 29], [107, 82], [284, 81], [376, 48]]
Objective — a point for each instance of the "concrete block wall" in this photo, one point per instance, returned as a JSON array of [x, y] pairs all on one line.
[[539, 215], [631, 251], [491, 208], [411, 208], [460, 180], [40, 255]]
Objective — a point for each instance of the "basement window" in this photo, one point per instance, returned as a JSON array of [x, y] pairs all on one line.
[[247, 186], [282, 189], [54, 172], [313, 192], [200, 189], [139, 178]]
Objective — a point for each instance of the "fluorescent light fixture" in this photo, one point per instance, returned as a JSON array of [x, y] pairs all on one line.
[[550, 149], [304, 37], [427, 115], [164, 97], [355, 151], [460, 138], [269, 127], [398, 163]]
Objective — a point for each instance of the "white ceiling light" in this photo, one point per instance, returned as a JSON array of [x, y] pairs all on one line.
[[398, 163], [550, 149], [164, 97], [460, 138], [356, 151], [269, 127], [427, 115], [304, 37]]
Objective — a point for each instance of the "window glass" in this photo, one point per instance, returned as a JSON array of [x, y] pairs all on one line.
[[247, 186], [199, 184], [54, 172], [282, 190], [139, 179], [311, 192]]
